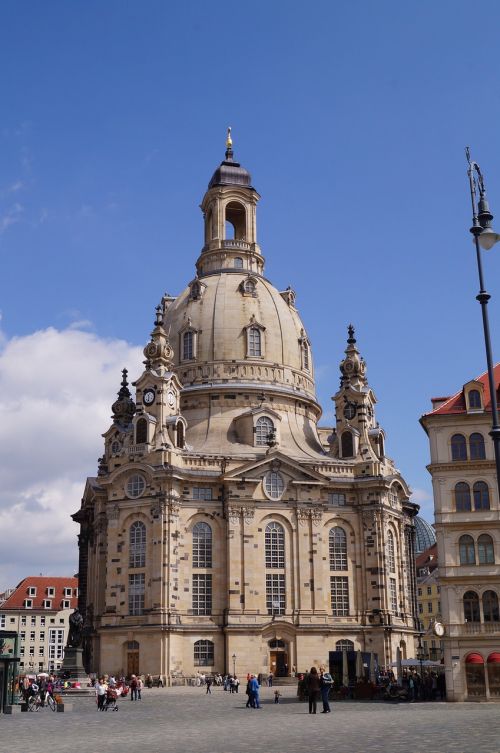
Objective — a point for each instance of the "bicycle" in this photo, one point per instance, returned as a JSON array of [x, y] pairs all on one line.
[[35, 702]]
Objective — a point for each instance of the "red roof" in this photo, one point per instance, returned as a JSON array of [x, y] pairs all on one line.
[[456, 403], [42, 584], [428, 558]]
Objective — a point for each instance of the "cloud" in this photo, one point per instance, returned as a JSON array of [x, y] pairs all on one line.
[[56, 390], [10, 216], [420, 496]]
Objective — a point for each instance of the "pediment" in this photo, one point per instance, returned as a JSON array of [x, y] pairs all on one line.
[[258, 411], [272, 462]]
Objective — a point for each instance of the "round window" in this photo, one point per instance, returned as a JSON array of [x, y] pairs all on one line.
[[274, 485], [135, 486]]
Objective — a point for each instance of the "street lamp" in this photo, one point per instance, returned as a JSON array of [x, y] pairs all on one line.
[[234, 665], [484, 236], [420, 654]]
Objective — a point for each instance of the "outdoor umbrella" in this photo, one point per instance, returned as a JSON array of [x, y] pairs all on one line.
[[399, 666], [372, 667], [345, 669]]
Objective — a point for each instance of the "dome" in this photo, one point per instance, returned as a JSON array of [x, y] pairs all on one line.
[[219, 312], [425, 535], [230, 173]]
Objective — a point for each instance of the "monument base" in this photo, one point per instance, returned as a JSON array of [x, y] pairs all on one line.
[[72, 667]]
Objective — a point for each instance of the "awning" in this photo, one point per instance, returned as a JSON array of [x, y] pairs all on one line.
[[494, 658], [474, 659]]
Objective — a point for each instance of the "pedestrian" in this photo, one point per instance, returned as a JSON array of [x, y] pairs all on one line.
[[100, 690], [277, 695], [313, 687], [249, 693], [140, 686], [236, 684], [254, 691], [270, 680], [209, 683], [133, 688], [326, 682]]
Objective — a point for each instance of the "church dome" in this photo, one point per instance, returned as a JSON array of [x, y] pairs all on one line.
[[229, 172], [237, 327], [425, 535]]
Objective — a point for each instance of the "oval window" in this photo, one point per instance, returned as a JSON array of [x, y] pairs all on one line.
[[274, 485], [135, 486]]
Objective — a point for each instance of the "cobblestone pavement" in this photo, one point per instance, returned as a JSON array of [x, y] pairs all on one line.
[[186, 720]]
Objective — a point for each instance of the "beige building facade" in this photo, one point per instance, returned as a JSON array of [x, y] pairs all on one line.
[[39, 609], [224, 527], [467, 523]]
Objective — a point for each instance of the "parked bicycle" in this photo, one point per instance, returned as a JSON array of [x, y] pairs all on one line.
[[35, 702]]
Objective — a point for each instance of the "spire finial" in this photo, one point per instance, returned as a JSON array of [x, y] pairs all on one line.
[[124, 377], [229, 144], [351, 339]]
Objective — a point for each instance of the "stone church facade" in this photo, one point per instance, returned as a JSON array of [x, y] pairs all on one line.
[[224, 529]]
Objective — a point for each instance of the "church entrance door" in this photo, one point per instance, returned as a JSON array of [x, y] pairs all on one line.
[[278, 663], [132, 663]]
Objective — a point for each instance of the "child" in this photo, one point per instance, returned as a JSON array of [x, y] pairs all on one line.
[[277, 696]]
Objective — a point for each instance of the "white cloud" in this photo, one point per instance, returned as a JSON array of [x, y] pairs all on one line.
[[10, 216], [420, 496], [56, 390]]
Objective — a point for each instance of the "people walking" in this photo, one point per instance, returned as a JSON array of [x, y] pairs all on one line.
[[326, 682], [313, 687], [140, 686], [277, 695]]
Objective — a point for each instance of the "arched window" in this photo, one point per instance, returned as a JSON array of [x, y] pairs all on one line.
[[254, 342], [238, 263], [481, 496], [137, 545], [347, 445], [490, 607], [203, 654], [344, 646], [462, 497], [275, 545], [338, 549], [263, 428], [476, 447], [391, 555], [466, 550], [485, 550], [474, 399], [202, 545], [141, 431], [471, 607], [458, 447], [305, 356], [187, 346], [180, 434]]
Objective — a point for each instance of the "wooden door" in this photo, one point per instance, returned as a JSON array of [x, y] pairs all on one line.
[[132, 663]]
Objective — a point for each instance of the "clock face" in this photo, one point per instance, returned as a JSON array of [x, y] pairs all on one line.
[[148, 396], [171, 398], [350, 410], [439, 629]]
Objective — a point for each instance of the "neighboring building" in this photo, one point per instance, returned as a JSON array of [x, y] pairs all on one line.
[[429, 602], [425, 535], [467, 515], [39, 609], [223, 525], [4, 595]]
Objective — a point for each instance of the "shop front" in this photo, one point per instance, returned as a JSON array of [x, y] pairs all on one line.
[[9, 660]]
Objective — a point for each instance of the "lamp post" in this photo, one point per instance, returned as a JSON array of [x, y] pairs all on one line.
[[484, 237], [234, 665]]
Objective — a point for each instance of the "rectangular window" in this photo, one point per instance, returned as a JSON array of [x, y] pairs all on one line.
[[23, 621], [202, 493], [339, 591], [203, 654], [202, 594], [2, 620], [42, 621], [42, 636], [28, 603], [33, 621], [47, 604], [136, 590], [21, 651], [439, 589], [56, 643], [51, 591], [68, 592], [32, 591], [66, 604], [32, 650], [420, 607], [41, 651], [254, 338], [187, 346], [275, 593], [22, 635], [439, 607], [429, 606], [419, 592], [429, 590], [393, 592], [336, 499], [32, 636]]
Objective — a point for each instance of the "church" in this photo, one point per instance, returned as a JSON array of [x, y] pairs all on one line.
[[225, 530]]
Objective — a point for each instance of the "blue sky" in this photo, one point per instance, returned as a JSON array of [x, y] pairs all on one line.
[[352, 118]]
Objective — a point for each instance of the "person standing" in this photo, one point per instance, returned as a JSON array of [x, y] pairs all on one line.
[[100, 689], [277, 695], [140, 686], [209, 683], [326, 682], [313, 687], [254, 692], [270, 680], [133, 688]]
